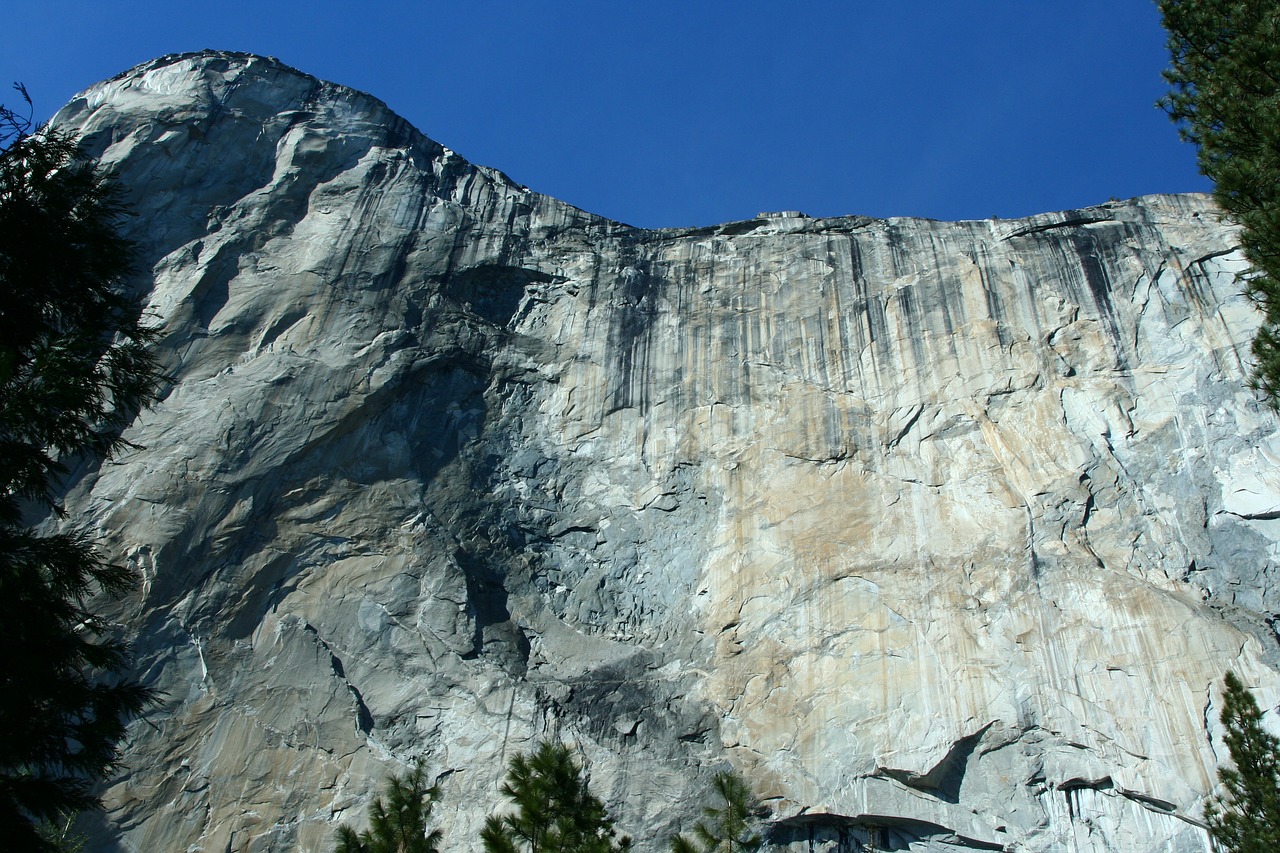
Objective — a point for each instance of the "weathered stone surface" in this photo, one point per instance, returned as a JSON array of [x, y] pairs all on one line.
[[942, 533]]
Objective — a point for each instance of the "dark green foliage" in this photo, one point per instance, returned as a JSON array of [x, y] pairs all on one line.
[[1225, 98], [74, 369], [63, 836], [74, 363], [729, 826], [1247, 818], [398, 825], [555, 811]]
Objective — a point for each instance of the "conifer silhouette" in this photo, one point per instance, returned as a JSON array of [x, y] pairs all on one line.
[[1247, 818], [728, 828], [398, 825], [555, 811]]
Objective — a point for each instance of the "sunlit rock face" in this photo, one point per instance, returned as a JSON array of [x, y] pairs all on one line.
[[941, 533]]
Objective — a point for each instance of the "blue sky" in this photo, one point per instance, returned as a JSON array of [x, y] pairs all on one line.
[[691, 113]]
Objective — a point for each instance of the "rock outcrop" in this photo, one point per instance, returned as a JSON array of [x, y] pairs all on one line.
[[942, 533]]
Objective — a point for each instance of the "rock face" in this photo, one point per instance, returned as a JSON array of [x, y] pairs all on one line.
[[942, 533]]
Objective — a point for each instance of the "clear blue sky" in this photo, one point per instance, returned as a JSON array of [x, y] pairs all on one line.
[[665, 113]]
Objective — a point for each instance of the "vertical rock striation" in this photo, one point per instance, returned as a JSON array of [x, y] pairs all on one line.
[[942, 533]]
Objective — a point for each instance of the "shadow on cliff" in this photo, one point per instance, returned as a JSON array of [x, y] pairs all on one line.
[[493, 292], [820, 831], [105, 836]]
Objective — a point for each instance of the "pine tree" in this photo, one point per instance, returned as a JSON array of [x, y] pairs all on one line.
[[729, 826], [63, 836], [74, 369], [1247, 818], [555, 811], [1225, 98], [398, 825]]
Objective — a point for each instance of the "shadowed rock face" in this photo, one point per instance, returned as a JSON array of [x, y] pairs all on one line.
[[941, 533]]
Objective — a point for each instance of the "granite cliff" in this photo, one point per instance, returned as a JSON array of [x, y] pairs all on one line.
[[942, 533]]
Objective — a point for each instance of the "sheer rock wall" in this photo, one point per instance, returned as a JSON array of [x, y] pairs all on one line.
[[941, 533]]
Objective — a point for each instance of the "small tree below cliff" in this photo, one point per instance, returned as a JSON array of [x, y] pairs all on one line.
[[1246, 819], [397, 824], [555, 811], [730, 826]]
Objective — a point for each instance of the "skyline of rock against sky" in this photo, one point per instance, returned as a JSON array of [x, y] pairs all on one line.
[[670, 114]]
